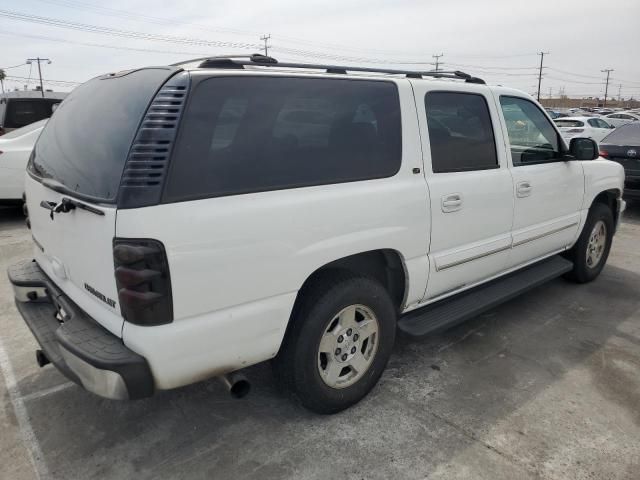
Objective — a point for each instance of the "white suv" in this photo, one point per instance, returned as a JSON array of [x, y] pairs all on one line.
[[191, 221]]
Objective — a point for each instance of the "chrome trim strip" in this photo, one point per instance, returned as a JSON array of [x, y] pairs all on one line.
[[546, 234], [470, 259]]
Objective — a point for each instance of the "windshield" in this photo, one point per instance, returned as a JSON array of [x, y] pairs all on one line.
[[85, 144], [626, 135]]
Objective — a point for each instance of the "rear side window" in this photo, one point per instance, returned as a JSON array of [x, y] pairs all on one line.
[[460, 132], [252, 134]]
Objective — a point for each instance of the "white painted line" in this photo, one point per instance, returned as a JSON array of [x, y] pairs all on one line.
[[28, 437], [47, 391]]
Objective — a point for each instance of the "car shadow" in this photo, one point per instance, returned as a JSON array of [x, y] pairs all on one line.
[[435, 399]]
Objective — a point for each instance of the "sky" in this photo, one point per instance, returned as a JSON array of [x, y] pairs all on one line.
[[497, 40]]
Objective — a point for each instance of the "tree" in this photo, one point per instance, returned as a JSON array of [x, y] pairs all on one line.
[[2, 77]]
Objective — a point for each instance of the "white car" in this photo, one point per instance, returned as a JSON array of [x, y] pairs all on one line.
[[622, 118], [589, 127], [15, 148], [228, 211]]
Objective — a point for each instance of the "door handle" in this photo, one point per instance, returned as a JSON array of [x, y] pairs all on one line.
[[451, 202], [524, 189]]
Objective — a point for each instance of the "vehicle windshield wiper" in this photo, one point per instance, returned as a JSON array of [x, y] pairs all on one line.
[[66, 205]]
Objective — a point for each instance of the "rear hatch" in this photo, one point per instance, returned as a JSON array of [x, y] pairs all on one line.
[[72, 184]]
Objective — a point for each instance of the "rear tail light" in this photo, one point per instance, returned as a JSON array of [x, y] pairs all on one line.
[[143, 281], [603, 153], [576, 130]]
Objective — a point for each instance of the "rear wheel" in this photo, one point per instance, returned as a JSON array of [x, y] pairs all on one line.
[[591, 251], [339, 342]]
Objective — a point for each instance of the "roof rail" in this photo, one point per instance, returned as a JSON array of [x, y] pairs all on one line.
[[240, 61]]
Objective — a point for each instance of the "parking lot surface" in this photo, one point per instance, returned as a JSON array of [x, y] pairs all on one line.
[[545, 386]]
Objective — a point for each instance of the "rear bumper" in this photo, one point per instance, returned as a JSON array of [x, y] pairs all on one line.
[[78, 346]]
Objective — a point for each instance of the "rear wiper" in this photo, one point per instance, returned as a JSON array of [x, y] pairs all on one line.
[[66, 205]]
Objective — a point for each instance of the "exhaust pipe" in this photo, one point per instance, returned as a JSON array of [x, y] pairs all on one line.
[[236, 383], [42, 359]]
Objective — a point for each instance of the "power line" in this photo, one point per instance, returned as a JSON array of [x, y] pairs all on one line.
[[21, 79], [13, 66], [122, 33], [129, 15]]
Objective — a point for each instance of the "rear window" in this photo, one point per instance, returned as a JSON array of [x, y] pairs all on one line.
[[252, 134], [569, 123], [626, 135], [22, 111], [85, 144]]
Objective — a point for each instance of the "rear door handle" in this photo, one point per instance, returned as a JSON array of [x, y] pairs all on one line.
[[451, 202], [524, 189]]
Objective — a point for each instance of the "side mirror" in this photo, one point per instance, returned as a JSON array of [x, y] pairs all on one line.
[[583, 149]]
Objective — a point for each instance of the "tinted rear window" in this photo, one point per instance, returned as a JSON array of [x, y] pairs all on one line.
[[569, 123], [85, 143], [626, 135], [253, 134], [21, 112]]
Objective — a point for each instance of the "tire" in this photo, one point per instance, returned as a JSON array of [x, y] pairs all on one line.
[[337, 311], [587, 268]]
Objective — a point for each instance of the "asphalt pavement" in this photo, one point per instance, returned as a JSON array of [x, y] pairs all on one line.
[[545, 386]]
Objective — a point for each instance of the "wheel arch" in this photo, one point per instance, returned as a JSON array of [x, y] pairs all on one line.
[[609, 198], [385, 265]]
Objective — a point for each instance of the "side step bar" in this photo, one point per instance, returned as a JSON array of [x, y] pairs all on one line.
[[459, 308]]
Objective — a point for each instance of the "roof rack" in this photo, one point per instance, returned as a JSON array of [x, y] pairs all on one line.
[[240, 61]]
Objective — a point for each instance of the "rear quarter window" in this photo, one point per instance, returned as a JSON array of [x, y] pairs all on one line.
[[252, 134]]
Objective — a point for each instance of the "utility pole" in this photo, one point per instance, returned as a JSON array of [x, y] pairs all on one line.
[[38, 59], [542, 54], [265, 39], [606, 88], [437, 57], [619, 93]]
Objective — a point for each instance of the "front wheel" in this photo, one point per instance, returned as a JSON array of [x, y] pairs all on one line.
[[591, 251], [339, 342]]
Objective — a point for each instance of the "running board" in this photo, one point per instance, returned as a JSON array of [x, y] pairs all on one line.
[[459, 308]]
